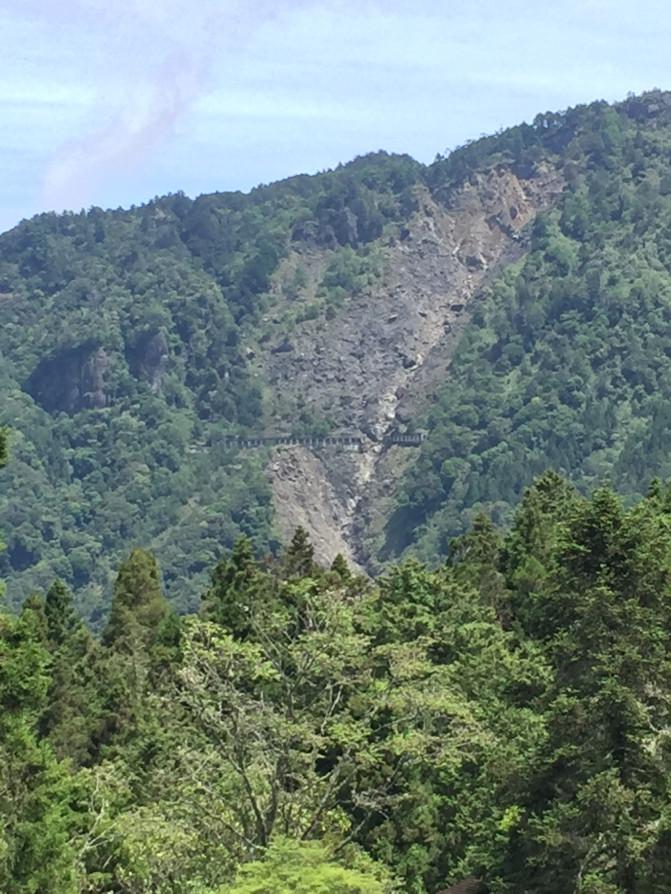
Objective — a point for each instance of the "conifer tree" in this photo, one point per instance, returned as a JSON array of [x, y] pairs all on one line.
[[34, 613], [138, 605], [476, 556], [598, 796], [36, 823], [530, 548], [236, 590], [71, 715], [138, 613], [300, 555], [340, 567], [62, 618]]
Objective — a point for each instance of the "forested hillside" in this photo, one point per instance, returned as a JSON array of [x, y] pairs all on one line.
[[499, 724], [124, 352], [190, 704], [512, 299], [567, 361]]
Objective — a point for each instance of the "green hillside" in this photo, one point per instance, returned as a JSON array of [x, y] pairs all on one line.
[[130, 341], [122, 344], [490, 715], [566, 363]]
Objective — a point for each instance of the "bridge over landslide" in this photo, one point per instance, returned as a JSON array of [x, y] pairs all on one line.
[[346, 441]]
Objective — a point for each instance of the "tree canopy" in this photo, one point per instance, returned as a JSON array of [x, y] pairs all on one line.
[[497, 724]]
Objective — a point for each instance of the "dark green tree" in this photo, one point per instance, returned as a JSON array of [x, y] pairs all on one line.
[[237, 590], [36, 791], [598, 795], [300, 555], [138, 605], [341, 568], [63, 622], [476, 558]]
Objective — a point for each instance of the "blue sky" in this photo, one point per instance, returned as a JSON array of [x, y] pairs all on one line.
[[109, 103]]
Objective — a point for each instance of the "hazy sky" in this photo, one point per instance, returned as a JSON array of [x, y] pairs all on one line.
[[110, 102]]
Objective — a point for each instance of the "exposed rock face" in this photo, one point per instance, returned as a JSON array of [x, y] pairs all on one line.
[[149, 358], [315, 497], [377, 363], [71, 380]]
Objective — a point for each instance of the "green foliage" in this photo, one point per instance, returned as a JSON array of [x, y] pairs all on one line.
[[61, 617], [597, 789], [292, 867], [565, 363], [138, 607], [125, 339], [130, 338], [237, 591], [500, 722], [348, 274], [36, 820], [300, 555]]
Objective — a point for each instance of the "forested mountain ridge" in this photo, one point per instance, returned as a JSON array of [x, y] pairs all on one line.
[[567, 361], [132, 341], [123, 349]]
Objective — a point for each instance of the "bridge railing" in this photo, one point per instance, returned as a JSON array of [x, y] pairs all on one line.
[[351, 442], [406, 440], [343, 442]]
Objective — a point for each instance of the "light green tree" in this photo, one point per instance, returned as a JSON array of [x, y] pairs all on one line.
[[305, 867]]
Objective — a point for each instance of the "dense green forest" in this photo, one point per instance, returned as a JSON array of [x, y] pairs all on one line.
[[499, 723], [567, 360], [130, 342], [125, 341]]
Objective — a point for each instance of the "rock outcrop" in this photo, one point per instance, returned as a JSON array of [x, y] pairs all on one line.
[[72, 379], [148, 359]]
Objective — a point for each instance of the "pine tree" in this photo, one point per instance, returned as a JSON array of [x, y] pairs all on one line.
[[300, 555], [138, 605], [62, 618], [128, 667], [35, 789], [238, 586], [598, 795], [476, 557], [341, 568], [530, 547], [72, 712]]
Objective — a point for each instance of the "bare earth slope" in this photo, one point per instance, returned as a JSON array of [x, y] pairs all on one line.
[[373, 368]]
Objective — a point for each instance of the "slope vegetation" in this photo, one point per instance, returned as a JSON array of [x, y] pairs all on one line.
[[567, 361], [512, 299]]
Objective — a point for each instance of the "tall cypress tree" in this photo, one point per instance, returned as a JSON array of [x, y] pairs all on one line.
[[62, 618], [129, 664], [138, 605], [35, 790], [237, 587], [72, 711], [300, 556], [598, 796]]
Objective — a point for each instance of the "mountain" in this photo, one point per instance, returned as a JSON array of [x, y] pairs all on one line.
[[511, 300]]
